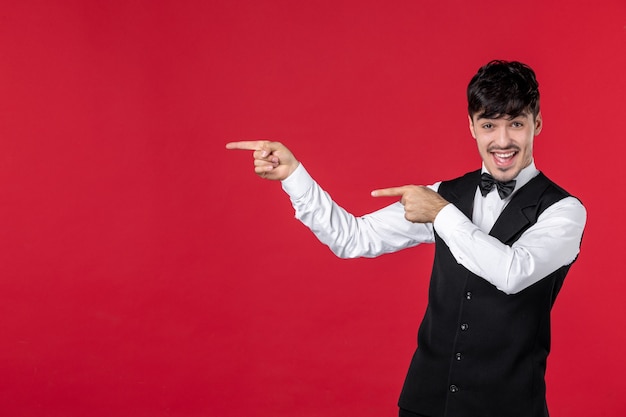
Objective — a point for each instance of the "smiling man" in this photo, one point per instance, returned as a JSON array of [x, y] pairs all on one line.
[[505, 239], [503, 119]]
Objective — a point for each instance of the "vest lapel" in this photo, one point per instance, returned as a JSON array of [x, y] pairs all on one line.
[[463, 199], [521, 211]]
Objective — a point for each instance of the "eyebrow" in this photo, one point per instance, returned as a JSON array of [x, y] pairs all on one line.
[[522, 115]]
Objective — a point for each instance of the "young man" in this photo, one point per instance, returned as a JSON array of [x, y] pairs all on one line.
[[505, 238]]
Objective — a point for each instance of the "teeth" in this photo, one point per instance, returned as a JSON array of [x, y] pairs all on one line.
[[505, 155]]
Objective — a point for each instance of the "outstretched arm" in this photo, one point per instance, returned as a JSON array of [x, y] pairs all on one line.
[[383, 231], [272, 160]]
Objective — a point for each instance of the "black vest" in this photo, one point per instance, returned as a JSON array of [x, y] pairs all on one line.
[[481, 352]]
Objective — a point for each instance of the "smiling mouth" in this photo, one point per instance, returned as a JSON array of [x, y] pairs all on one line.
[[503, 158]]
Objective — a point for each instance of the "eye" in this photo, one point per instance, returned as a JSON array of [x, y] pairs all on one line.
[[487, 126], [517, 124]]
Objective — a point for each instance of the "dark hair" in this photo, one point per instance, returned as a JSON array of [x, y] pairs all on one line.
[[503, 88]]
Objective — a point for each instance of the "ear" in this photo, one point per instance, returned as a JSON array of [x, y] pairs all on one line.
[[471, 126], [538, 124]]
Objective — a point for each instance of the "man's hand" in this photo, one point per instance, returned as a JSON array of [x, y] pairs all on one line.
[[421, 204], [272, 160]]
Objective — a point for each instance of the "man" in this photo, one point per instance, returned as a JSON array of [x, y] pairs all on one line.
[[505, 238]]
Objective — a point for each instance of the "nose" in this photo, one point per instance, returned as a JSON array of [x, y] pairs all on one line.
[[502, 138]]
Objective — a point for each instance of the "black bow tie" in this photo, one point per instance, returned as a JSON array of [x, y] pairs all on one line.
[[504, 188]]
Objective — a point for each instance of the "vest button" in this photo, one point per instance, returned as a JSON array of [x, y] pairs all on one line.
[[464, 326], [458, 356], [454, 388], [468, 295]]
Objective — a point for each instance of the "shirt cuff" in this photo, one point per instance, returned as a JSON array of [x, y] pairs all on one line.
[[449, 221], [298, 183]]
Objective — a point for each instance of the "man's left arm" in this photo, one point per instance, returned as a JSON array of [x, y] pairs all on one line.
[[552, 242]]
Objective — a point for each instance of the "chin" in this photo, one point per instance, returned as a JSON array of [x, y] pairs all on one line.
[[504, 175]]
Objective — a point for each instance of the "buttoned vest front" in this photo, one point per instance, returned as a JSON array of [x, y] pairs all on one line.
[[481, 352]]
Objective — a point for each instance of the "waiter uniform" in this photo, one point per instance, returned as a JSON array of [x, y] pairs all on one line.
[[485, 336], [482, 352]]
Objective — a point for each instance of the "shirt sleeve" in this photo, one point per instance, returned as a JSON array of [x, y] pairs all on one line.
[[348, 236], [552, 242]]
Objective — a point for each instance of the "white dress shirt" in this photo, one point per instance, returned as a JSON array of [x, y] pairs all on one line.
[[552, 242]]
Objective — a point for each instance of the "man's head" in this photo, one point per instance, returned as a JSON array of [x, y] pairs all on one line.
[[504, 116]]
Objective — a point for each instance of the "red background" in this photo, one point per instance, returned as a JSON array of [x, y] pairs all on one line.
[[146, 271]]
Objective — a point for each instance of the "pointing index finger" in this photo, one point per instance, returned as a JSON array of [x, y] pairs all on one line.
[[247, 145], [389, 192]]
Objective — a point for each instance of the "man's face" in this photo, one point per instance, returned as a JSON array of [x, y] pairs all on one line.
[[505, 145]]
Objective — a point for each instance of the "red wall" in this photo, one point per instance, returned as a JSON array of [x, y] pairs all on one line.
[[146, 271]]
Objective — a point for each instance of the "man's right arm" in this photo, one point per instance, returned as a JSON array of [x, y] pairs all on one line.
[[380, 232], [383, 231]]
